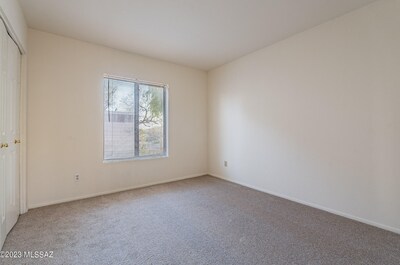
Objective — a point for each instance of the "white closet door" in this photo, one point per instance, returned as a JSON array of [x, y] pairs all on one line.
[[3, 78], [10, 60], [12, 135]]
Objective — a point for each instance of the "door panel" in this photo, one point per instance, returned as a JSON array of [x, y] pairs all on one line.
[[10, 59], [2, 199], [12, 208], [3, 78], [12, 128]]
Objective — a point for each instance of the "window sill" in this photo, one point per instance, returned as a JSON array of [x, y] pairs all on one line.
[[134, 159]]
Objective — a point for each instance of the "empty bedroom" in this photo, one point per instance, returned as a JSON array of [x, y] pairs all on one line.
[[200, 132]]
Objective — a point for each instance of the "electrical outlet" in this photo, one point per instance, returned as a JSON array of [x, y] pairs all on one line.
[[77, 177], [225, 163]]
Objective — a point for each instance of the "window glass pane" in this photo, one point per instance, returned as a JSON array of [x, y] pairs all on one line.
[[151, 120], [118, 119]]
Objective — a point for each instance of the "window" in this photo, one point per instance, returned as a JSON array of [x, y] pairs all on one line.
[[135, 119]]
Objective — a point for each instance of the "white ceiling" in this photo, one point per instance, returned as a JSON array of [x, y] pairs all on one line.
[[199, 33]]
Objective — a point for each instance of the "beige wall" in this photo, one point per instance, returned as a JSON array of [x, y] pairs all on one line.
[[316, 118], [65, 120]]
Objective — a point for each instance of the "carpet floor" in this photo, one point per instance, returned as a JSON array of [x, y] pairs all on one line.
[[202, 220]]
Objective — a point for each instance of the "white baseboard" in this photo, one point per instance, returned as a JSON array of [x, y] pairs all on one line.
[[37, 205], [359, 219]]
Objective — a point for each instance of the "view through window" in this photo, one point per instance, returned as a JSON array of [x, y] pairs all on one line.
[[134, 119]]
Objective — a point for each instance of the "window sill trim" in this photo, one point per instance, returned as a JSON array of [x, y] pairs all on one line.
[[108, 161]]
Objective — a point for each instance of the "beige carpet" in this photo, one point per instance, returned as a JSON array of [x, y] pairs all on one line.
[[197, 221]]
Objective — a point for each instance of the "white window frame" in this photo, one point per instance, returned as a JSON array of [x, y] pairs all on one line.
[[165, 119]]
